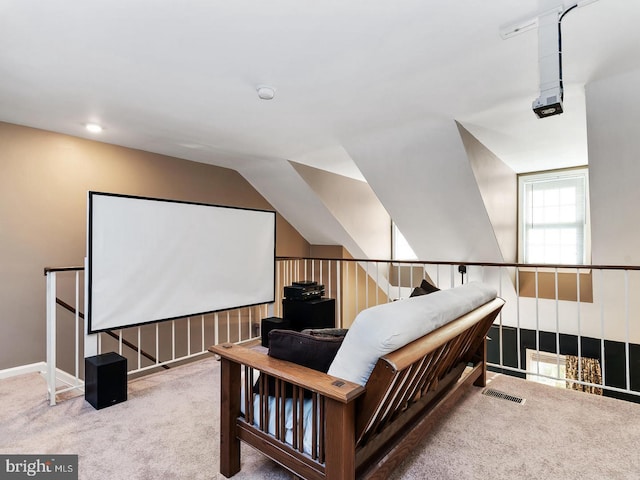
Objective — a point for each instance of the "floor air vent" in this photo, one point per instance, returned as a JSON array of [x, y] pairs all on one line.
[[504, 396]]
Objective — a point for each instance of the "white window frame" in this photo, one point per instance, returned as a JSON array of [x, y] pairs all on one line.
[[546, 177], [552, 361]]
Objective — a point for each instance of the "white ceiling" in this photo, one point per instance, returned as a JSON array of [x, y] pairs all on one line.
[[180, 78]]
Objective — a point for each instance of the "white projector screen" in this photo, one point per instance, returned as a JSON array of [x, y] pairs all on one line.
[[151, 259]]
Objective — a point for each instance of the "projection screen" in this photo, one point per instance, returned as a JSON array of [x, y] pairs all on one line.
[[151, 259]]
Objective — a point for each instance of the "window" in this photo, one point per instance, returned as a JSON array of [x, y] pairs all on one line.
[[550, 367], [400, 248], [553, 217]]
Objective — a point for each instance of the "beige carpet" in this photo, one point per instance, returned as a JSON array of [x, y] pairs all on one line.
[[167, 429]]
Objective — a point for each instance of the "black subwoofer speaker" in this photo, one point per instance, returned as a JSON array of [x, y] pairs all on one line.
[[271, 323], [105, 379]]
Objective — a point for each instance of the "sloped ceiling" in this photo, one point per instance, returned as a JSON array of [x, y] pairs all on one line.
[[180, 78], [439, 208]]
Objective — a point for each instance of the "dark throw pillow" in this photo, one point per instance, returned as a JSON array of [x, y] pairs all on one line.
[[312, 350], [424, 289]]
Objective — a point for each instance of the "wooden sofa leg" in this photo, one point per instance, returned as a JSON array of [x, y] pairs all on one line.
[[341, 440], [229, 412], [482, 379]]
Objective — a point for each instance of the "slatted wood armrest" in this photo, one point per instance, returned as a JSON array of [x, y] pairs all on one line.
[[321, 383], [339, 412]]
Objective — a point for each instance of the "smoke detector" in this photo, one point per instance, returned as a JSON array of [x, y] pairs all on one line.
[[265, 92]]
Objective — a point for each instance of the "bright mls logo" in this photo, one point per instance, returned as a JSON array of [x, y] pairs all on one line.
[[52, 467]]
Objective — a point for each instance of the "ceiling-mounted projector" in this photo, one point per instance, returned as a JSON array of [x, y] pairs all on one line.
[[549, 24], [548, 103], [550, 65]]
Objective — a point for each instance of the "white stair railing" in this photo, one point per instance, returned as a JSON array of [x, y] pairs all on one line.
[[173, 341], [534, 323]]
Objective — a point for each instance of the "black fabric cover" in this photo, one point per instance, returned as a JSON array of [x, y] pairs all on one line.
[[424, 289], [312, 350], [326, 332], [306, 349]]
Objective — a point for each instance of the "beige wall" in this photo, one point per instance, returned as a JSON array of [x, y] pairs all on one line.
[[498, 185], [567, 285], [44, 178], [355, 279], [355, 206]]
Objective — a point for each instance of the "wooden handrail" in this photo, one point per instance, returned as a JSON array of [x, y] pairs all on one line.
[[424, 262], [48, 270], [477, 264]]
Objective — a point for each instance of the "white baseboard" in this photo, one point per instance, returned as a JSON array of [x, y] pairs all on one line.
[[39, 367], [62, 378]]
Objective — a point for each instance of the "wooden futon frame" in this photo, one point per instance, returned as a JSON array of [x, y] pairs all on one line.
[[357, 432]]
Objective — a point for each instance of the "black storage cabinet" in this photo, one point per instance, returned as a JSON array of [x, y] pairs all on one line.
[[301, 314]]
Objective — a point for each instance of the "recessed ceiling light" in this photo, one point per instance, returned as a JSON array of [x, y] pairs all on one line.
[[93, 127]]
